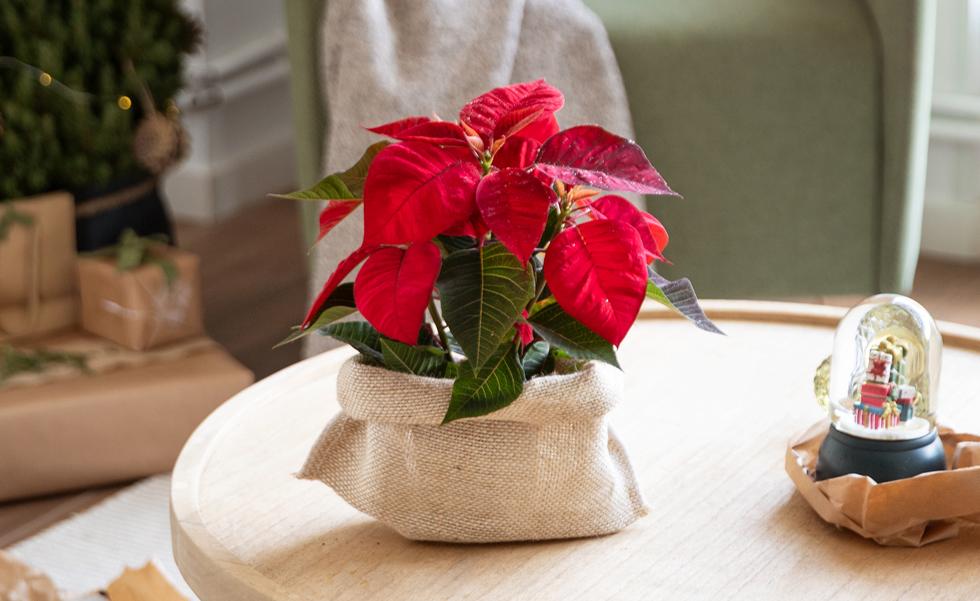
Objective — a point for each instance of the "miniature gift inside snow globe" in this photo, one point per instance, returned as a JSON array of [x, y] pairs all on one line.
[[882, 392]]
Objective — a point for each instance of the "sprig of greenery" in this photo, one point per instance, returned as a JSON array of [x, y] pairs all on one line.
[[134, 251], [14, 361], [12, 216]]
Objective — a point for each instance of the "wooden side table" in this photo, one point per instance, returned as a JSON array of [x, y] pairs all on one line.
[[706, 420]]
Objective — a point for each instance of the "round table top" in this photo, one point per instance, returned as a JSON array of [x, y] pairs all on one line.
[[706, 420]]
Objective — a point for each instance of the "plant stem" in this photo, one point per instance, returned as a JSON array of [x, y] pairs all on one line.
[[538, 289], [440, 327]]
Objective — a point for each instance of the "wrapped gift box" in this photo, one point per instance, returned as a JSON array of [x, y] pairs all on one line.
[[874, 395], [140, 309], [37, 265], [129, 422]]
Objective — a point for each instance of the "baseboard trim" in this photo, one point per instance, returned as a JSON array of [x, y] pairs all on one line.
[[949, 230], [210, 193]]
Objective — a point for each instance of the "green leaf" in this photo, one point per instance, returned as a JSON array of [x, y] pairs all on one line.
[[679, 295], [327, 317], [338, 305], [130, 251], [343, 185], [331, 187], [453, 243], [563, 331], [355, 177], [360, 335], [483, 390], [483, 292], [452, 371], [418, 360], [535, 357]]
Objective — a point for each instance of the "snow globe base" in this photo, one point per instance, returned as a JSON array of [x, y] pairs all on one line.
[[881, 460]]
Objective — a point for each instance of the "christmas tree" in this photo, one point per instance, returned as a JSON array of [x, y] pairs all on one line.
[[72, 77]]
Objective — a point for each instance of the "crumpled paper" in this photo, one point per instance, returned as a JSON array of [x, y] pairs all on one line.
[[911, 512], [20, 582], [144, 584]]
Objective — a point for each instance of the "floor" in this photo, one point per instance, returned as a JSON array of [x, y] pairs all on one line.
[[254, 284], [253, 274]]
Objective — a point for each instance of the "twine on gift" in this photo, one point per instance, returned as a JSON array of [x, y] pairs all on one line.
[[170, 307], [116, 199]]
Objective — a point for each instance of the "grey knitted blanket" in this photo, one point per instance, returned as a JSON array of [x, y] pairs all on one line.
[[387, 59]]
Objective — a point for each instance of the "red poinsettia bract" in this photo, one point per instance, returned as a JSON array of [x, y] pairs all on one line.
[[498, 216]]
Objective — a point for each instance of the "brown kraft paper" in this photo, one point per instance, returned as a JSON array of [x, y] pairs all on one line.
[[911, 512], [124, 424], [99, 356], [37, 266], [137, 308]]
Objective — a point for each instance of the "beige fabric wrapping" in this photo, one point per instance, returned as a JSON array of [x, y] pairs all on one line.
[[383, 60], [546, 467]]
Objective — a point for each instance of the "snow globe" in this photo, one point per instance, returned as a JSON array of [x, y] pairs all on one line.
[[881, 392]]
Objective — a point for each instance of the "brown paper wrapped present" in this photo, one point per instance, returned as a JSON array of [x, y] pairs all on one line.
[[128, 418], [910, 512], [140, 308], [37, 265]]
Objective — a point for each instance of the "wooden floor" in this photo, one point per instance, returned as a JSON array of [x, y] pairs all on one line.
[[254, 274], [254, 278]]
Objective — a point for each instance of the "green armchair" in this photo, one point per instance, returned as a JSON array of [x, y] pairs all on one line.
[[796, 131]]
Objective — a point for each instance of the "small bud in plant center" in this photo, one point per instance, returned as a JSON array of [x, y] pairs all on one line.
[[476, 143], [560, 188], [578, 194]]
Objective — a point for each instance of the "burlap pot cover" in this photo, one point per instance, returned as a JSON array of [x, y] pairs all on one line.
[[546, 467]]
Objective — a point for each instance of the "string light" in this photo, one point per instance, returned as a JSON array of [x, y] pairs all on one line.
[[123, 102]]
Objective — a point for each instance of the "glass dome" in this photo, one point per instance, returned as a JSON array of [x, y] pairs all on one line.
[[884, 372]]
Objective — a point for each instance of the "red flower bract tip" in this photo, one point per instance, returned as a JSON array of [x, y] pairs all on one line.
[[592, 156]]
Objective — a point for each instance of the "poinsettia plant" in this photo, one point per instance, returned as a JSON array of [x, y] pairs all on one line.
[[495, 225]]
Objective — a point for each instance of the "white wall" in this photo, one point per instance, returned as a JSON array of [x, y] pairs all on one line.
[[951, 222], [236, 108]]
